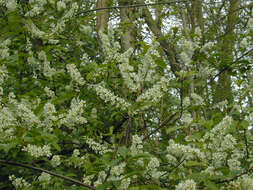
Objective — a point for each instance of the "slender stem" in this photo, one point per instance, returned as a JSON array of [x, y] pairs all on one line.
[[235, 177], [132, 6], [5, 162], [246, 143], [163, 124]]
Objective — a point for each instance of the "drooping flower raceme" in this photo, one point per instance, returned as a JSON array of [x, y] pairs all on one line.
[[187, 185], [184, 150], [97, 147], [74, 114], [56, 161], [37, 151], [108, 96], [75, 74], [19, 182]]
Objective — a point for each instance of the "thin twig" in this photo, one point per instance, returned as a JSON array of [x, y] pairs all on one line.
[[234, 178], [132, 6], [5, 162], [246, 143], [227, 67], [175, 167], [163, 124]]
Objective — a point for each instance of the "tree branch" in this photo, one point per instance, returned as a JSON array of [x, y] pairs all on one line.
[[133, 6], [163, 124], [5, 162]]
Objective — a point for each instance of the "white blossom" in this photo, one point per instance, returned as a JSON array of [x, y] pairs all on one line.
[[85, 29], [207, 46], [108, 96], [75, 74], [56, 161], [137, 145], [244, 43], [74, 115], [197, 100], [76, 153], [184, 150], [49, 92], [234, 164], [61, 5], [3, 73], [37, 151], [97, 147], [11, 5], [124, 184], [87, 179], [19, 182], [44, 179], [250, 24], [118, 169], [187, 118], [154, 93], [187, 185]]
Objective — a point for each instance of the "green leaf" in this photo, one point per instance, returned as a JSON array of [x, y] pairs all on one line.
[[194, 163], [211, 185], [123, 151], [8, 147], [244, 124]]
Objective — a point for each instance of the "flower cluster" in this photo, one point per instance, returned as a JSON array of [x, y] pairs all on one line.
[[61, 5], [136, 146], [188, 48], [219, 142], [108, 96], [101, 178], [187, 118], [110, 47], [60, 26], [6, 118], [127, 71], [19, 182], [184, 150], [97, 147], [37, 7], [75, 74], [44, 179], [4, 51], [56, 161], [155, 93], [37, 151], [219, 130], [35, 31], [48, 71], [207, 46], [187, 185], [49, 93], [124, 184], [197, 100], [152, 168], [74, 115], [118, 169], [27, 115], [250, 24], [244, 182], [11, 5], [49, 117]]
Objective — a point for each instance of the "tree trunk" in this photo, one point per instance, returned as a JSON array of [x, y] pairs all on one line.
[[223, 89], [102, 17], [127, 16]]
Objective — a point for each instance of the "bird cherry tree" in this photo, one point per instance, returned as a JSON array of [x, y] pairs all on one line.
[[126, 94]]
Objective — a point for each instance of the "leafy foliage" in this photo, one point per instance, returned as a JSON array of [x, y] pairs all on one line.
[[79, 110]]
